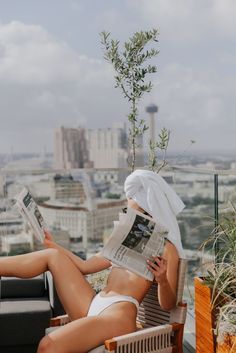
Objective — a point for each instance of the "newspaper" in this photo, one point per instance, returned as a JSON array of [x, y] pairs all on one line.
[[135, 239], [29, 210]]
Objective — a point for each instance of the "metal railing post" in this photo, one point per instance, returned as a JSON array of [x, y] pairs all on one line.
[[216, 214]]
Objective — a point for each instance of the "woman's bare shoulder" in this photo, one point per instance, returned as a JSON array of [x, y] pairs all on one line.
[[170, 251]]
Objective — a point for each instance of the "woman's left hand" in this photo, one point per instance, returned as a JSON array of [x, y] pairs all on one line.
[[48, 240], [48, 236], [158, 266]]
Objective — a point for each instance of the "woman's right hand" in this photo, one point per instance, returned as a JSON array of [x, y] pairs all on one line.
[[48, 240]]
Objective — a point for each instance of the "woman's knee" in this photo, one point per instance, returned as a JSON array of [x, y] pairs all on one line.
[[46, 345], [54, 258]]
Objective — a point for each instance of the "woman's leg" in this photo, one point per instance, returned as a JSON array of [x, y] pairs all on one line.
[[84, 334], [73, 290]]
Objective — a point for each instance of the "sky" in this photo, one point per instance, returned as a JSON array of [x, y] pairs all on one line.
[[52, 70]]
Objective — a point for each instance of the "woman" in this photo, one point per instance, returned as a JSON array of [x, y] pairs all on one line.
[[113, 311]]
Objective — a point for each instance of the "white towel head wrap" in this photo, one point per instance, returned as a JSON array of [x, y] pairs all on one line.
[[151, 192]]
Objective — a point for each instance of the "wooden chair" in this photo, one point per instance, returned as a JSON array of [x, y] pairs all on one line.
[[158, 330]]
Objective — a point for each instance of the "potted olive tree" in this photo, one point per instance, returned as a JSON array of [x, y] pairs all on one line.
[[133, 64], [215, 294]]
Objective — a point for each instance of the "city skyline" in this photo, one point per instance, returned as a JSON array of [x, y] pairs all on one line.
[[52, 70]]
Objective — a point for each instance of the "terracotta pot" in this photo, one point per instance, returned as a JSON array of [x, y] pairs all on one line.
[[204, 318]]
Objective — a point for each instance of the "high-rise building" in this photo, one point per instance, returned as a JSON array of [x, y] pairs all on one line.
[[66, 187], [152, 109], [99, 148], [108, 147], [70, 148]]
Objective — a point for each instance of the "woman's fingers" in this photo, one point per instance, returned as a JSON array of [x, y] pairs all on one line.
[[48, 235], [153, 265], [159, 260], [48, 240], [156, 261], [157, 265]]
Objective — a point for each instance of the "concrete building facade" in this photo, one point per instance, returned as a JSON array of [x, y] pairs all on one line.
[[70, 148], [99, 148], [65, 187], [83, 225], [108, 147]]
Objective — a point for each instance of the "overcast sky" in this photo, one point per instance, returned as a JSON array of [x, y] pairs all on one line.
[[52, 70]]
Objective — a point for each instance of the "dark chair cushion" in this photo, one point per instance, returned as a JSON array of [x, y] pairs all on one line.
[[23, 321], [29, 348], [12, 287]]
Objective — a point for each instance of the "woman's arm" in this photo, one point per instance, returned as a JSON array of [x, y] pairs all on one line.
[[165, 272], [95, 264]]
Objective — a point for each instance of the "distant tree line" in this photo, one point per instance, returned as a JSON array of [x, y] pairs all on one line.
[[199, 200]]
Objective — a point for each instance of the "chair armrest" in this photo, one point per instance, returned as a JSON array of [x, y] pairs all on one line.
[[163, 338], [59, 320], [148, 339], [178, 330], [178, 314]]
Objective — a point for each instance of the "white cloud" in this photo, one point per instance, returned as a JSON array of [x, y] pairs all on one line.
[[195, 104], [45, 83], [29, 55], [187, 20], [77, 6], [224, 13]]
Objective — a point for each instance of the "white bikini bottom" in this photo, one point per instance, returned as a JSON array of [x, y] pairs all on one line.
[[100, 303]]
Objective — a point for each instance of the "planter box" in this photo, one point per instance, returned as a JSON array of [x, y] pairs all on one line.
[[229, 345], [205, 322]]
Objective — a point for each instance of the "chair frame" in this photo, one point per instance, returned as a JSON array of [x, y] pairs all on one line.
[[158, 330]]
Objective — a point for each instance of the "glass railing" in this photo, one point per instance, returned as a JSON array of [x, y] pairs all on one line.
[[80, 206]]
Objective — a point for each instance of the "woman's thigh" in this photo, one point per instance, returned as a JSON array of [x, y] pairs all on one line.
[[73, 289], [85, 334]]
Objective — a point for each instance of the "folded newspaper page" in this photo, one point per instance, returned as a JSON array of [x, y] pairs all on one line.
[[134, 239], [29, 210]]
